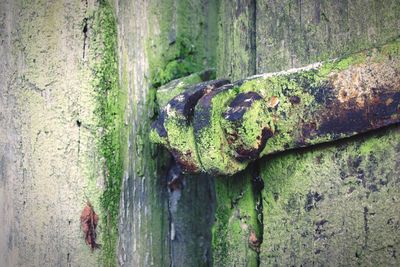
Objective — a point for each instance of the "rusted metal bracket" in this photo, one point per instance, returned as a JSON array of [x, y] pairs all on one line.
[[219, 127]]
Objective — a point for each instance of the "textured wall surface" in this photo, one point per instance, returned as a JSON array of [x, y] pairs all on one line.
[[49, 165], [336, 202], [161, 41], [143, 230], [293, 33]]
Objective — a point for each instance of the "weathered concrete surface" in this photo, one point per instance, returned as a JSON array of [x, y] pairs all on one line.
[[49, 164], [9, 138]]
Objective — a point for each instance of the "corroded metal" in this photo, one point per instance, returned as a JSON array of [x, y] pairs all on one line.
[[173, 124], [219, 127]]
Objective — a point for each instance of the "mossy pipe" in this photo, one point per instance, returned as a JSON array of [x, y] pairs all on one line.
[[174, 128], [264, 114]]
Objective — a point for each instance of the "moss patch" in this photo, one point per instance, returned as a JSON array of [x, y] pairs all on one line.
[[110, 109], [236, 221], [333, 200], [212, 146], [173, 88], [299, 108]]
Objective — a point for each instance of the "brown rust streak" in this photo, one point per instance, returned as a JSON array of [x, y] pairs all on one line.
[[243, 153], [184, 159], [360, 83], [367, 97]]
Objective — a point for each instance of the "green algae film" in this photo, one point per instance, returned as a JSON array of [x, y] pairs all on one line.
[[110, 110], [312, 198]]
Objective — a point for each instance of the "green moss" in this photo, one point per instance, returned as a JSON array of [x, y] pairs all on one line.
[[181, 138], [110, 109], [274, 90], [212, 147], [372, 55], [157, 139], [236, 217], [178, 61], [331, 184], [302, 84], [180, 43], [236, 54], [173, 88], [276, 111], [248, 130], [179, 65], [180, 132]]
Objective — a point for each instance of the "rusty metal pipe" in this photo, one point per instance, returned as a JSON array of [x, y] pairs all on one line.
[[220, 127]]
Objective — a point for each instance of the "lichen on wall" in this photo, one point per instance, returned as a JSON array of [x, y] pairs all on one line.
[[110, 112], [336, 201]]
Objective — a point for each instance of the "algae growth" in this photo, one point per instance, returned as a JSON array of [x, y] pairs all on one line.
[[111, 102]]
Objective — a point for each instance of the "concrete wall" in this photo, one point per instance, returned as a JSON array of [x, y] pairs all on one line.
[[49, 160]]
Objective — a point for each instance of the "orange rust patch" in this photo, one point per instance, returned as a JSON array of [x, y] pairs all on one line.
[[389, 101], [362, 82], [273, 102]]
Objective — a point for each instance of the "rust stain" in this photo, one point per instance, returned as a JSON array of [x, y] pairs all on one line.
[[360, 83], [273, 102], [354, 98], [254, 242], [244, 154], [89, 221], [185, 160]]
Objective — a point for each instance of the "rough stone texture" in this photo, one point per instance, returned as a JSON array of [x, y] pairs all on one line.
[[49, 164]]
